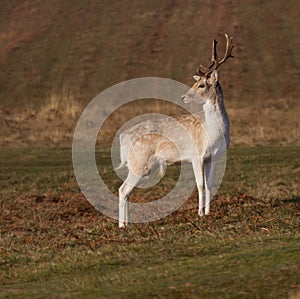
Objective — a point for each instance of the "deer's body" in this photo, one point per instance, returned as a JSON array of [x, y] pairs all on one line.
[[200, 139]]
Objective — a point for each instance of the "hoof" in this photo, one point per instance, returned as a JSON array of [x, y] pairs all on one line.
[[201, 213]]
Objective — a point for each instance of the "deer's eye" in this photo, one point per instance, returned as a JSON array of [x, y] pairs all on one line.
[[201, 85]]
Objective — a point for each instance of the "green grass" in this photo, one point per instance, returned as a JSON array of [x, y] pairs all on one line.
[[54, 245], [264, 267], [263, 172]]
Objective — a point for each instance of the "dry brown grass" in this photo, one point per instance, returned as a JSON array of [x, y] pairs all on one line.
[[263, 123], [55, 221], [52, 123], [270, 122]]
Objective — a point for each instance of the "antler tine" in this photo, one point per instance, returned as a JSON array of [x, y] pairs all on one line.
[[214, 55], [203, 71], [229, 48], [206, 70]]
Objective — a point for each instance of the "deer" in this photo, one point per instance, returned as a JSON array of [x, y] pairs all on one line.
[[147, 143]]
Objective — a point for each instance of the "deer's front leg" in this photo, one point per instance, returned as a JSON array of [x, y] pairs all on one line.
[[209, 170], [198, 172]]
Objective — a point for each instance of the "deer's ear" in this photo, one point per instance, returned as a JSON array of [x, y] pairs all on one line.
[[213, 79], [196, 78]]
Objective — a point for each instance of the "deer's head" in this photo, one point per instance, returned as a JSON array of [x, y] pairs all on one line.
[[207, 85]]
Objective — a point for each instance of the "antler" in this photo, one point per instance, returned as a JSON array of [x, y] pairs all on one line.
[[215, 61]]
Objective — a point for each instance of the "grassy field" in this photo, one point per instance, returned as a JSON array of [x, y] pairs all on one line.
[[54, 244]]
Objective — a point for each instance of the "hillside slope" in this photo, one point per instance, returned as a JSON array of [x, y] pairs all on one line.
[[87, 46]]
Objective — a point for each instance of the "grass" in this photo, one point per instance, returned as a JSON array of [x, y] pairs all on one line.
[[182, 269], [54, 244]]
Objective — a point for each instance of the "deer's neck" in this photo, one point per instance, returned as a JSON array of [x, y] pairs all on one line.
[[216, 120]]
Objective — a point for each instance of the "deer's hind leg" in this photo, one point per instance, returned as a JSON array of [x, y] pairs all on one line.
[[138, 169], [139, 166], [126, 188]]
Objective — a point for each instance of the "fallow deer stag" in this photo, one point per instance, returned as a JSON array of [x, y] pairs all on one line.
[[146, 143]]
